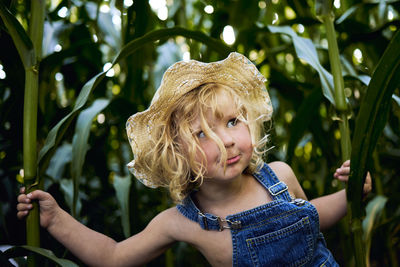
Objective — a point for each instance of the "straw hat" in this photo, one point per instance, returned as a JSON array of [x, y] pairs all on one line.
[[236, 71]]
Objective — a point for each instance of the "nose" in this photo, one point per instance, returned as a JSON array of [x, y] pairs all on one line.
[[226, 138]]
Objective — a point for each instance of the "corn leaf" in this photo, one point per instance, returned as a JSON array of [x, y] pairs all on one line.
[[57, 165], [371, 119], [80, 142], [56, 133], [374, 210], [20, 251], [67, 187], [156, 35], [122, 185], [307, 110], [21, 39], [306, 50]]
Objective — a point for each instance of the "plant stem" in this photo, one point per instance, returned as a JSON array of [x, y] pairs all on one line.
[[30, 155], [327, 18], [339, 96], [30, 124], [345, 141], [359, 246], [340, 100]]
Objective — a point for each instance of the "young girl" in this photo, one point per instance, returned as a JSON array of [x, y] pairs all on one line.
[[202, 137]]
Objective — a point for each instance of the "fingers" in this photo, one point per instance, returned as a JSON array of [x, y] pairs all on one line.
[[346, 163], [24, 205], [342, 173], [23, 210], [368, 184], [37, 194], [25, 201]]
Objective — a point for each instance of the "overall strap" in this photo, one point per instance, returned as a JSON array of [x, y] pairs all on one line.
[[270, 181], [207, 221]]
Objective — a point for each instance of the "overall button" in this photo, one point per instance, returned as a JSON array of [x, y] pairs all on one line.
[[298, 201]]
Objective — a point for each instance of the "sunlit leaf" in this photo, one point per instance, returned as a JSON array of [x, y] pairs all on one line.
[[67, 187], [111, 33], [305, 49], [20, 251], [5, 261], [21, 40], [348, 13], [80, 139], [61, 158], [371, 119], [122, 185], [323, 7], [56, 133], [155, 35], [374, 210], [396, 99], [307, 110]]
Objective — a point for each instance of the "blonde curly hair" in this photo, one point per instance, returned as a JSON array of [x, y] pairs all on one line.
[[171, 160]]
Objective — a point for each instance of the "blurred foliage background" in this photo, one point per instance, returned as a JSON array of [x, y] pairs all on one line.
[[81, 39]]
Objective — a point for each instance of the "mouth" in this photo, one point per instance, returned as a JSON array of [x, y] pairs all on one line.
[[233, 160]]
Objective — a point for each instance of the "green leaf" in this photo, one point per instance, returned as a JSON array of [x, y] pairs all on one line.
[[56, 133], [156, 35], [122, 185], [20, 251], [349, 12], [21, 39], [307, 110], [305, 50], [371, 119], [79, 142], [67, 187], [396, 99], [374, 210], [323, 7], [61, 158], [4, 261]]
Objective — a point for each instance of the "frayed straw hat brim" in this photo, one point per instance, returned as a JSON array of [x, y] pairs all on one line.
[[236, 72]]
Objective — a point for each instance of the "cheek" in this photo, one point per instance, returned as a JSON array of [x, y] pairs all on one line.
[[210, 150], [244, 135]]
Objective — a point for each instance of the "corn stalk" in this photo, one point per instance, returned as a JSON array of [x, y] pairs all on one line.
[[327, 17], [325, 14], [29, 48], [30, 122]]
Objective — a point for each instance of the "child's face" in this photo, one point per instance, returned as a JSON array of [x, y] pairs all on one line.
[[235, 137]]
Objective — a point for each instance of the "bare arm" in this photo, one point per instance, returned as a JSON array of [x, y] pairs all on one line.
[[331, 208], [96, 249]]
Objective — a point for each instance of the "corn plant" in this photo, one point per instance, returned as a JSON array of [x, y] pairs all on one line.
[[288, 43]]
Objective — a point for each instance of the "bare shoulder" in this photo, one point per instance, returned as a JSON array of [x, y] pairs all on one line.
[[285, 174], [174, 224], [165, 220]]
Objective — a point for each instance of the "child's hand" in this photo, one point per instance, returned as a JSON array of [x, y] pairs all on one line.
[[48, 206], [343, 173]]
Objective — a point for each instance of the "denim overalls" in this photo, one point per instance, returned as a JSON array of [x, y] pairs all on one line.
[[284, 232]]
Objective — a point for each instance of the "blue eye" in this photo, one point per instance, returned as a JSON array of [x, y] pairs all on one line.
[[232, 122], [201, 134]]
